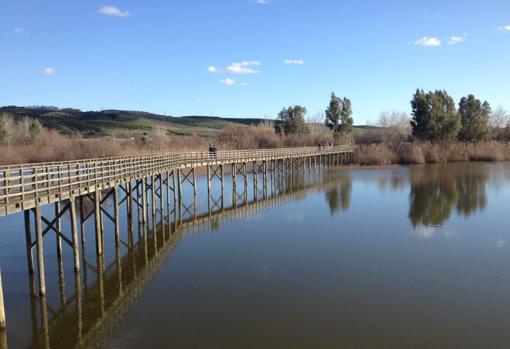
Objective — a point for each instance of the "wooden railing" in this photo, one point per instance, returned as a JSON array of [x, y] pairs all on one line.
[[19, 183]]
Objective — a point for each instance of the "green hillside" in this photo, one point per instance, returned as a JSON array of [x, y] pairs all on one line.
[[124, 123]]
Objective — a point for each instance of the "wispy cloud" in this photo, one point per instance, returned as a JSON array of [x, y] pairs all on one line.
[[505, 28], [112, 11], [294, 61], [260, 2], [212, 69], [49, 71], [17, 29], [244, 67], [228, 82], [428, 42], [243, 83], [455, 40]]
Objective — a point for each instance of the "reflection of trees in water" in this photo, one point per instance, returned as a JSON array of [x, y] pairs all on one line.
[[339, 195], [436, 190]]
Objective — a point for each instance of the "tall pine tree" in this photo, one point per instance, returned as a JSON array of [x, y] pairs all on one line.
[[474, 116], [434, 116], [339, 116]]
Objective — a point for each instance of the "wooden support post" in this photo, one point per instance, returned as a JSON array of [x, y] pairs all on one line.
[[234, 180], [138, 206], [222, 180], [195, 203], [116, 214], [208, 189], [194, 185], [168, 208], [97, 219], [153, 201], [255, 177], [161, 205], [74, 229], [58, 226], [144, 202], [28, 242], [179, 185], [245, 176], [82, 223], [2, 307], [154, 210], [40, 251], [129, 212], [175, 196]]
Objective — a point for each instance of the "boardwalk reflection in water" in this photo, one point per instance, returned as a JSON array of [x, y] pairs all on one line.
[[91, 313]]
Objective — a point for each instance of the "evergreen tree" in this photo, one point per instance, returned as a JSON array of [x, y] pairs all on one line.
[[339, 116], [475, 117], [293, 119], [434, 116]]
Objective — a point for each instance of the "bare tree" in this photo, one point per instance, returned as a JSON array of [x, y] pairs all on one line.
[[397, 125], [499, 118], [6, 128]]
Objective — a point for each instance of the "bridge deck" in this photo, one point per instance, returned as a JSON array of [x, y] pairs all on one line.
[[22, 186]]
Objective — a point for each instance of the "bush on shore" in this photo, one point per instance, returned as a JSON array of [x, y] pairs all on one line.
[[426, 152]]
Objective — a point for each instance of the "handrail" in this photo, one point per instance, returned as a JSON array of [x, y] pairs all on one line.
[[29, 181]]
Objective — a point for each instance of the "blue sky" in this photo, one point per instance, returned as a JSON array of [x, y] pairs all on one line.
[[231, 57]]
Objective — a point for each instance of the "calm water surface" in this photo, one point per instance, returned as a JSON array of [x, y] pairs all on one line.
[[383, 258]]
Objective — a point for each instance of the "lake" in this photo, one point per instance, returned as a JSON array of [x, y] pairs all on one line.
[[399, 257]]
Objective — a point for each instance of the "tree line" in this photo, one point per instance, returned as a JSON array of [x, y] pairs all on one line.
[[435, 117], [338, 118]]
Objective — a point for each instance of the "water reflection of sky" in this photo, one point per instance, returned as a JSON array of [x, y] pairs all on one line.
[[360, 259]]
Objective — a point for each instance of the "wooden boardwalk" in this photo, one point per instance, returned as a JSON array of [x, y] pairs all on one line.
[[143, 189]]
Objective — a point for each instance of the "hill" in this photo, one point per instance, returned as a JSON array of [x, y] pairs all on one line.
[[124, 123]]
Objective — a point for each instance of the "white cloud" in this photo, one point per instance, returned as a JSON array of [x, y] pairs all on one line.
[[49, 71], [212, 69], [228, 82], [424, 232], [454, 40], [112, 11], [428, 42], [294, 61], [17, 29], [244, 67], [260, 2], [505, 28]]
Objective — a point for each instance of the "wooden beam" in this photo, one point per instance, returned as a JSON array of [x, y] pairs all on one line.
[[40, 251]]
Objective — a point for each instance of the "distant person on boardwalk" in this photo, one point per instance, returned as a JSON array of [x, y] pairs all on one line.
[[215, 151], [211, 151]]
